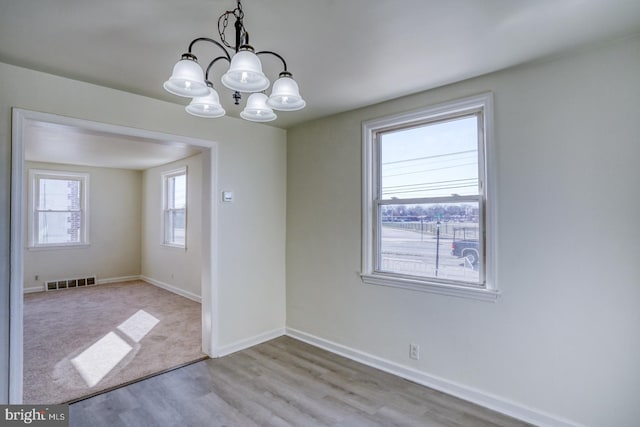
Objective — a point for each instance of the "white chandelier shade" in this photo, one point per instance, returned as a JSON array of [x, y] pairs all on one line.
[[285, 95], [245, 73], [257, 109], [187, 78], [206, 106]]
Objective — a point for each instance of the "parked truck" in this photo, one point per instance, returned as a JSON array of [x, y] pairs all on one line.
[[466, 247]]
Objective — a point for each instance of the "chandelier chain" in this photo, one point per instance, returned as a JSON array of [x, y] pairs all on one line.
[[223, 22]]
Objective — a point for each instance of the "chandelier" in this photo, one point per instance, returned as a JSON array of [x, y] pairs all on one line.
[[244, 75]]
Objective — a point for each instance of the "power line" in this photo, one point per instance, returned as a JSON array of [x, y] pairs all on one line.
[[430, 157], [433, 162], [431, 169], [426, 189], [449, 181]]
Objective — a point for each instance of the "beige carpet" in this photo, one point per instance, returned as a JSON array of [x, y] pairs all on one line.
[[80, 341]]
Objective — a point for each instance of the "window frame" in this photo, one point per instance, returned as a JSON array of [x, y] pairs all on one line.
[[371, 166], [34, 195], [166, 176]]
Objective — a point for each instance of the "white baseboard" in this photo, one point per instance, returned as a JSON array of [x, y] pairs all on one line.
[[172, 288], [496, 403], [120, 279], [249, 342], [41, 288], [117, 279]]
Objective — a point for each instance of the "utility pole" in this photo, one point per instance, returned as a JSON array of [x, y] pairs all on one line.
[[437, 246]]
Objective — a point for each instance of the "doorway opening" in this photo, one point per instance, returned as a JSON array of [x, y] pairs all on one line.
[[23, 123]]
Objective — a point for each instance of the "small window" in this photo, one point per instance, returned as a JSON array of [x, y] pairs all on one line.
[[174, 210], [59, 215], [426, 207]]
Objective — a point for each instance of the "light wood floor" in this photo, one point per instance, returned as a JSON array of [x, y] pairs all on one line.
[[283, 382]]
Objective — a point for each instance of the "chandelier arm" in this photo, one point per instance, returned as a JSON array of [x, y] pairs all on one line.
[[207, 39], [276, 55], [206, 73]]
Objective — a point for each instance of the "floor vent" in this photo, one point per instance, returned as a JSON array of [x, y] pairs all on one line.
[[54, 285]]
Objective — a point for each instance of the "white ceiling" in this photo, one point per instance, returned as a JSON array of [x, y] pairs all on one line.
[[57, 143], [344, 53]]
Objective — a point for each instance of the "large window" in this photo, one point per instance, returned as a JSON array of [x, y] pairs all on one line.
[[174, 209], [59, 214], [427, 212]]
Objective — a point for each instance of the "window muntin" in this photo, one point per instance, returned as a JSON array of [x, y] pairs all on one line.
[[59, 209], [425, 188], [175, 208]]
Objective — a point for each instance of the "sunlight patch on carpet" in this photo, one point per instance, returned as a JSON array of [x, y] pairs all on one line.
[[97, 361], [138, 325]]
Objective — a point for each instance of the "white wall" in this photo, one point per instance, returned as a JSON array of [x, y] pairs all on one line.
[[114, 218], [564, 338], [252, 162], [253, 238], [177, 269]]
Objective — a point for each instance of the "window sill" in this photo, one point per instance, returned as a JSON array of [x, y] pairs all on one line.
[[482, 294], [178, 247], [58, 247]]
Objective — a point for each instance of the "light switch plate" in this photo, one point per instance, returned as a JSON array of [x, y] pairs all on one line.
[[227, 196]]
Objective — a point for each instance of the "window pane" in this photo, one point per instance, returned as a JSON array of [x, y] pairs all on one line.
[[433, 160], [175, 229], [59, 227], [174, 207], [59, 194], [177, 192], [431, 240]]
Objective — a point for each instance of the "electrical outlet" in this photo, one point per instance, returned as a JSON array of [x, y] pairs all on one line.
[[414, 351]]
